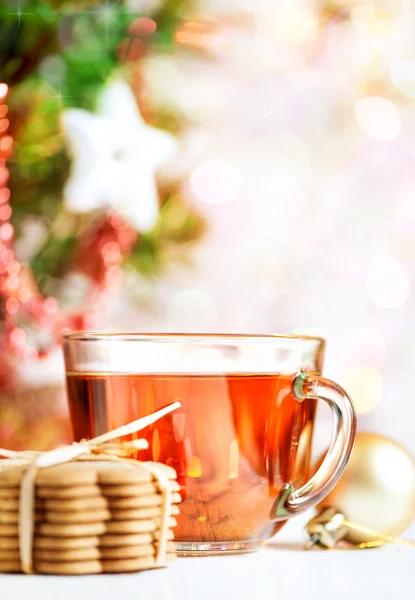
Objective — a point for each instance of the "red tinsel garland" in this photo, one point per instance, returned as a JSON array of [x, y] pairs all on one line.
[[32, 324]]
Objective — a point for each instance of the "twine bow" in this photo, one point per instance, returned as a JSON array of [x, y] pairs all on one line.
[[102, 445]]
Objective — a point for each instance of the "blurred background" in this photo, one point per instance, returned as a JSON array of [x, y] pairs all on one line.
[[228, 166]]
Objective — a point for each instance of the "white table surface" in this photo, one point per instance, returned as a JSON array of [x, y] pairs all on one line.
[[280, 570]]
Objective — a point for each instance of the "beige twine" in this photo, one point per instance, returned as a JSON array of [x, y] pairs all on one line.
[[99, 445]]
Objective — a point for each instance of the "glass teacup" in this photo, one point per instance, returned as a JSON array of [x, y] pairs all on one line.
[[241, 441]]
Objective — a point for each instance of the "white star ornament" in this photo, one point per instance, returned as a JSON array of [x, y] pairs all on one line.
[[115, 158]]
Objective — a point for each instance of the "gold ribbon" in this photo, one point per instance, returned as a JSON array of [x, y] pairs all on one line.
[[380, 538], [98, 445]]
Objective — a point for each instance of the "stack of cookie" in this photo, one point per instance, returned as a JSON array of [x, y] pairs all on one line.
[[89, 517]]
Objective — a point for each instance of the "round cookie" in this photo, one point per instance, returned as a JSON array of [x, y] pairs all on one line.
[[10, 566], [12, 504], [141, 513], [97, 516], [9, 555], [8, 517], [112, 473], [128, 527], [69, 555], [117, 491], [142, 526], [75, 504], [122, 490], [9, 543], [8, 529], [170, 472], [67, 475], [169, 535], [125, 502], [86, 491], [136, 539], [65, 543], [135, 502], [127, 552], [130, 565], [89, 567], [69, 530], [9, 493], [63, 475], [133, 551]]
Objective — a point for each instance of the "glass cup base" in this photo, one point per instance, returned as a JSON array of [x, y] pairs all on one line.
[[216, 548]]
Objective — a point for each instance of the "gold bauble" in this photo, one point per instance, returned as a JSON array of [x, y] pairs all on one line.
[[377, 488]]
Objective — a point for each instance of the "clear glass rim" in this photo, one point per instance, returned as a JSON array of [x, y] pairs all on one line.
[[95, 336]]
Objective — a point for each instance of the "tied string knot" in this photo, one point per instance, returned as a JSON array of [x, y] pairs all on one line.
[[116, 450], [101, 446]]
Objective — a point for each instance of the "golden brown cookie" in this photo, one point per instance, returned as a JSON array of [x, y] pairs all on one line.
[[9, 543], [136, 539], [75, 504], [122, 490], [9, 555], [170, 535], [9, 517], [69, 530], [9, 493], [69, 555], [170, 472], [82, 554], [141, 513], [91, 516], [140, 502], [130, 565], [127, 552], [142, 526], [86, 491], [10, 566], [8, 530], [133, 551], [65, 475], [88, 567], [84, 472], [12, 504], [114, 473], [118, 491], [65, 543]]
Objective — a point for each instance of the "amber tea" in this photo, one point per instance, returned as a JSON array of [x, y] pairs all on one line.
[[241, 439], [234, 443]]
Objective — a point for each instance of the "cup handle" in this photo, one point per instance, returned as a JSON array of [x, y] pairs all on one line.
[[306, 386]]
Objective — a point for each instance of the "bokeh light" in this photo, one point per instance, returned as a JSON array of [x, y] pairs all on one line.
[[193, 310], [216, 181], [402, 228], [375, 21], [285, 198], [142, 26], [388, 283], [378, 117], [12, 306], [6, 232], [53, 69], [203, 99], [233, 459], [295, 25], [366, 345], [402, 74], [364, 385]]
